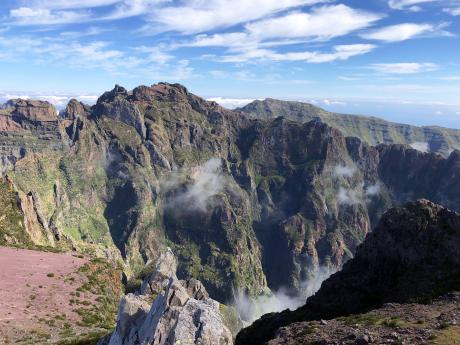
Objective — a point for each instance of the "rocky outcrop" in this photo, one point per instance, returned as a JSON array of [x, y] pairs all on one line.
[[75, 109], [32, 111], [393, 323], [115, 104], [412, 255], [181, 313]]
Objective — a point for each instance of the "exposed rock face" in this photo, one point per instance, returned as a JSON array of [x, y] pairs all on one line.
[[32, 110], [412, 255], [115, 105], [75, 109], [182, 313], [371, 130], [246, 204]]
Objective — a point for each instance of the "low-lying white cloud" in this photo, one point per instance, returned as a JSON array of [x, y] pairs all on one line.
[[231, 103], [59, 101], [207, 181], [344, 170], [251, 309], [372, 190], [421, 146], [347, 196]]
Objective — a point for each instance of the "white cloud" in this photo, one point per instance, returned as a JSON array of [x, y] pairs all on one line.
[[451, 78], [332, 102], [348, 196], [455, 11], [72, 4], [132, 8], [149, 62], [400, 32], [212, 14], [207, 182], [58, 100], [42, 16], [155, 54], [410, 5], [231, 103], [316, 25], [404, 67], [232, 39], [421, 146], [340, 52], [372, 189], [252, 308], [344, 170]]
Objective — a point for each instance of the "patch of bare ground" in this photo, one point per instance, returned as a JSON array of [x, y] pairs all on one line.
[[55, 298], [402, 324]]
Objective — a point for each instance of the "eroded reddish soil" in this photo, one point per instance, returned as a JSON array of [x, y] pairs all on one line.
[[40, 293]]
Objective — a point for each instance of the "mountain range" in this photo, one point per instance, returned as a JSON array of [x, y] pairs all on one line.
[[261, 199]]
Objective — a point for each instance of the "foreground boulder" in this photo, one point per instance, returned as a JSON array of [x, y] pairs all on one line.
[[412, 256], [181, 313]]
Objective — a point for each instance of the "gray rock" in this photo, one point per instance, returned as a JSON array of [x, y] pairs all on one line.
[[182, 313]]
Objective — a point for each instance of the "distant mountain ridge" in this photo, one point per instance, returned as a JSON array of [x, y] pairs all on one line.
[[370, 129]]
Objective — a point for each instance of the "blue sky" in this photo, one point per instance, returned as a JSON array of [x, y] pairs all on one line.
[[398, 59]]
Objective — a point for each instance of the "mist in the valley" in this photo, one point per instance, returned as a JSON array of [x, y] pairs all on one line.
[[206, 181], [252, 308]]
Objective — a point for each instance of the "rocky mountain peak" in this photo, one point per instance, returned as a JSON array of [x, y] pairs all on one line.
[[32, 110], [160, 92], [109, 96], [74, 109]]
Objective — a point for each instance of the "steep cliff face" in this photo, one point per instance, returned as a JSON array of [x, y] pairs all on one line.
[[411, 256], [371, 130], [246, 204]]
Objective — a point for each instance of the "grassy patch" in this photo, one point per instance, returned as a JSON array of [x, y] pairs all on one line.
[[103, 281], [447, 336]]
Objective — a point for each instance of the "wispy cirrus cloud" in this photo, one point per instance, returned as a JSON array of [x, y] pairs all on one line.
[[339, 52], [404, 67], [70, 4], [98, 54], [43, 16], [410, 5], [454, 11], [405, 31]]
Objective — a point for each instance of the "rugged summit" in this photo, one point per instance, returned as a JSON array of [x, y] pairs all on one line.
[[411, 256], [246, 204]]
